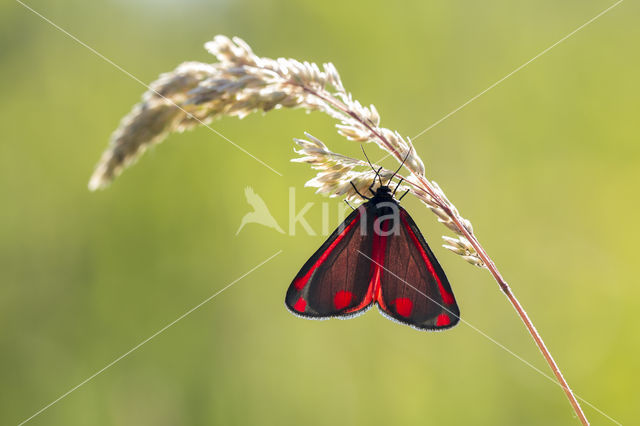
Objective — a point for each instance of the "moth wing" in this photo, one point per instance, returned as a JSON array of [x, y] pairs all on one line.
[[335, 281], [414, 289]]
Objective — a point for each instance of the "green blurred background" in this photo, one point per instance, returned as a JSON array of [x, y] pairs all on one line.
[[546, 166]]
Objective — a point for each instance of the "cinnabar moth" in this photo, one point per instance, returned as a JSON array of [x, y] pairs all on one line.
[[376, 256]]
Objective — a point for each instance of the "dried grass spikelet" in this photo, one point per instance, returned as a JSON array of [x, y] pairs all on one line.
[[462, 247], [241, 83], [338, 174], [150, 121]]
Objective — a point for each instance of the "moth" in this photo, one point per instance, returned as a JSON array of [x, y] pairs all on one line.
[[377, 256]]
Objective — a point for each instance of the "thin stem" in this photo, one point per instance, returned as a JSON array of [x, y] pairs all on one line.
[[344, 109], [493, 269], [426, 186], [525, 319]]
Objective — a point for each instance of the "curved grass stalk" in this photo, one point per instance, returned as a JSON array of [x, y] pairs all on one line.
[[242, 83]]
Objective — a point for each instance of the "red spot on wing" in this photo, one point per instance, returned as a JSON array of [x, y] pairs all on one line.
[[300, 282], [443, 319], [403, 305], [300, 305], [446, 297], [365, 302], [342, 299]]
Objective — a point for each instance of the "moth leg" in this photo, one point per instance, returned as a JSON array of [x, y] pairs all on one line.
[[397, 186], [374, 181], [349, 204], [358, 192], [403, 195]]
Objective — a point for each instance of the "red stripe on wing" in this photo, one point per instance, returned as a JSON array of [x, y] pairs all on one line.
[[378, 254], [303, 280], [446, 296]]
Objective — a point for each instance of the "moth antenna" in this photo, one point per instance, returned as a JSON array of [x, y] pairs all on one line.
[[378, 175], [373, 182], [372, 168], [401, 164], [367, 157]]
